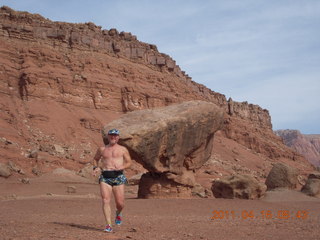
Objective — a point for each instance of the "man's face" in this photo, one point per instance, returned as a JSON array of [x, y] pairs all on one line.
[[113, 139]]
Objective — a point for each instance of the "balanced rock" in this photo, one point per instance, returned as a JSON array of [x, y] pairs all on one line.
[[238, 186], [173, 140], [282, 176]]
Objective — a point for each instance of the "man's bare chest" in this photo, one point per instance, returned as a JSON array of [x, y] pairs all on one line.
[[109, 153]]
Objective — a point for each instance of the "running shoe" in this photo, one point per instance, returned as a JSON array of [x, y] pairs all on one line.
[[118, 220], [108, 228]]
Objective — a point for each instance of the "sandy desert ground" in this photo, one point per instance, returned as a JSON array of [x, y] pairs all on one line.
[[43, 209]]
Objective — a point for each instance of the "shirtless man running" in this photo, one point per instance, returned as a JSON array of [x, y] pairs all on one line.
[[114, 159]]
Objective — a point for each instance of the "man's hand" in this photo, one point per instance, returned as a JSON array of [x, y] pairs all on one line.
[[96, 171]]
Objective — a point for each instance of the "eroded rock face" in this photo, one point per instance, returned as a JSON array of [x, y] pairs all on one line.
[[85, 36], [238, 186], [307, 145], [172, 141], [282, 176]]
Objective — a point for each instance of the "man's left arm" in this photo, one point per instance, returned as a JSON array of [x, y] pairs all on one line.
[[127, 161], [96, 159]]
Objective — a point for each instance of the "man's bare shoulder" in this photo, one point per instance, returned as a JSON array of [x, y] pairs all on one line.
[[101, 148], [123, 148]]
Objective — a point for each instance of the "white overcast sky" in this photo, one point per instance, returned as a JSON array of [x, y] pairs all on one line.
[[266, 52]]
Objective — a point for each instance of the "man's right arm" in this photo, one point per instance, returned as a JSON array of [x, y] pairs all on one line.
[[96, 160]]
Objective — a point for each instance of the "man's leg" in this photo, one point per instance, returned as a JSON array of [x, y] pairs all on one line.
[[118, 192], [106, 190]]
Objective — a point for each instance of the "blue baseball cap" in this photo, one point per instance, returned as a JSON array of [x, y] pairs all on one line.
[[113, 132]]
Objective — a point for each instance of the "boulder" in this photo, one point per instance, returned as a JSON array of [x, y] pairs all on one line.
[[4, 170], [36, 171], [282, 176], [172, 141], [312, 186], [33, 154], [238, 186], [58, 148]]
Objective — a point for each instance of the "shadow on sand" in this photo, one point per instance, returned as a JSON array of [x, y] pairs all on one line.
[[78, 226]]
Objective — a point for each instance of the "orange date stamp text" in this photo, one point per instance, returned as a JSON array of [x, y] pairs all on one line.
[[264, 214]]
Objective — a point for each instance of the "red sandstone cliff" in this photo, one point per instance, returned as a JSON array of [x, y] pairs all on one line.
[[307, 145], [61, 82]]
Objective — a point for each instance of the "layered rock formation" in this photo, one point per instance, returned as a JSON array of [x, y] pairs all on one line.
[[307, 145], [61, 82]]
